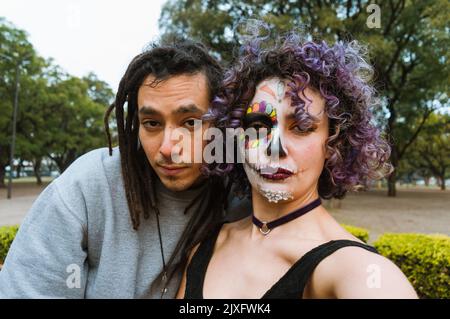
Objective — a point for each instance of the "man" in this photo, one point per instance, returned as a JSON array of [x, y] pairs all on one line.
[[118, 223]]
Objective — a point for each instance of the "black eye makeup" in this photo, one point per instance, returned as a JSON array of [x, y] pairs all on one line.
[[257, 121]]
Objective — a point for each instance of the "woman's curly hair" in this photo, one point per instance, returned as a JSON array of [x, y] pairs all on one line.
[[358, 153]]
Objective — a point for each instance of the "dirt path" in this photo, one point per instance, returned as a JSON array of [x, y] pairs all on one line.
[[418, 210], [12, 211]]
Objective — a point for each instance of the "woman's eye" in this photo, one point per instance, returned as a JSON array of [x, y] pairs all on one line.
[[258, 125], [150, 124], [297, 129]]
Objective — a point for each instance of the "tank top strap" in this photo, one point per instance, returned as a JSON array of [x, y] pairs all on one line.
[[292, 284], [196, 270]]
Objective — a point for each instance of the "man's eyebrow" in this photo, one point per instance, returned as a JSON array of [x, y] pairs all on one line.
[[183, 109], [148, 110], [190, 108]]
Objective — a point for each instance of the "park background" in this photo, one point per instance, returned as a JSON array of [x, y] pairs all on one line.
[[61, 62]]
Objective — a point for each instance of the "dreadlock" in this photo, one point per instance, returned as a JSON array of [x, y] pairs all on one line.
[[170, 57]]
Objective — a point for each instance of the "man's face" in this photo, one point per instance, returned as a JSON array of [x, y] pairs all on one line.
[[164, 109]]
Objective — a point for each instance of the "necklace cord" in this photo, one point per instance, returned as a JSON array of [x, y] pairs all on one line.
[[286, 218]]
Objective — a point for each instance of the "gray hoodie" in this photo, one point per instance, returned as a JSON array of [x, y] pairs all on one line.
[[77, 240]]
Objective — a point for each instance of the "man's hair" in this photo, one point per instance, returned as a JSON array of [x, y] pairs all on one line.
[[164, 59], [357, 151]]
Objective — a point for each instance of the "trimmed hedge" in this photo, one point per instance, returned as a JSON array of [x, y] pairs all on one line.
[[7, 234], [358, 232], [424, 259]]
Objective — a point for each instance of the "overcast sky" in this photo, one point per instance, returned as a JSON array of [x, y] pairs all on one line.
[[87, 35]]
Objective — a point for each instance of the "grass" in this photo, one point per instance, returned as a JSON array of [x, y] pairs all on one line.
[[25, 180]]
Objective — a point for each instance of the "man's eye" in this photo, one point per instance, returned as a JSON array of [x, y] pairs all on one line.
[[150, 124], [190, 123]]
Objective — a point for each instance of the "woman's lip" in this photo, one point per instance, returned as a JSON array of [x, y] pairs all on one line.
[[277, 176], [171, 170]]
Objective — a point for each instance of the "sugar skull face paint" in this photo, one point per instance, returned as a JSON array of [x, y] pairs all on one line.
[[277, 163], [260, 115]]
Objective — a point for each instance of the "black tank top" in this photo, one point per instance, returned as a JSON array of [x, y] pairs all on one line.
[[289, 286]]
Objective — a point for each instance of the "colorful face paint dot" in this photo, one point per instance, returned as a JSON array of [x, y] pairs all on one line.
[[255, 144]]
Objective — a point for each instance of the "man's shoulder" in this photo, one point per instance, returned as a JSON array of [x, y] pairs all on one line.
[[90, 173], [94, 163]]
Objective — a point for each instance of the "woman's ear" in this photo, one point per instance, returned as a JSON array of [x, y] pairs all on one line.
[[326, 151]]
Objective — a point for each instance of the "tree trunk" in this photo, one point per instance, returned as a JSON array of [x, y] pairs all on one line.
[[392, 191], [427, 181], [37, 170], [19, 168], [442, 178], [2, 176], [392, 179], [69, 159]]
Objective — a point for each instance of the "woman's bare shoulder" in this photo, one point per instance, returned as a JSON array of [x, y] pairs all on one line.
[[355, 272]]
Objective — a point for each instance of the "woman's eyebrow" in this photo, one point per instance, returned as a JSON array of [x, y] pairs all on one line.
[[316, 119]]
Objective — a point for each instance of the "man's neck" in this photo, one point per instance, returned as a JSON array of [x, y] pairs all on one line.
[[183, 195]]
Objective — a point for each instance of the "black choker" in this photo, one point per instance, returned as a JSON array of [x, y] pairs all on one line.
[[265, 227]]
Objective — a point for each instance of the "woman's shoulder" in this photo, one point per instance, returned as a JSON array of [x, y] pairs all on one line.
[[355, 272], [352, 268]]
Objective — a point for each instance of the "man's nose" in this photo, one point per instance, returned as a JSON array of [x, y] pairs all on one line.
[[168, 143]]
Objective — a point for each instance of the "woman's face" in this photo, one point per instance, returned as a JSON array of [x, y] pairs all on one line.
[[285, 163]]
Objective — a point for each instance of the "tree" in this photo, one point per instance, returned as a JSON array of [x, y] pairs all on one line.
[[60, 116], [74, 120], [430, 152], [16, 55], [409, 52]]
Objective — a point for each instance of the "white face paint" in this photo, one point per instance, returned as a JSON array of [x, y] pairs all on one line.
[[267, 163], [287, 163]]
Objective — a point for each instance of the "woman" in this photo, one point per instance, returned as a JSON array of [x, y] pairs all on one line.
[[313, 101]]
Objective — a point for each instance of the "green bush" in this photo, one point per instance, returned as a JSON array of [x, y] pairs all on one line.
[[7, 234], [358, 232], [424, 259]]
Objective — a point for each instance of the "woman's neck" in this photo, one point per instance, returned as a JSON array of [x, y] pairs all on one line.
[[269, 211]]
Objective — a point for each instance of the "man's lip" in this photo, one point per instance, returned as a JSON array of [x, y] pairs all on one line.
[[172, 167], [171, 170]]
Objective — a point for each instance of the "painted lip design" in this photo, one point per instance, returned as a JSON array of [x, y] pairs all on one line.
[[275, 173], [279, 174]]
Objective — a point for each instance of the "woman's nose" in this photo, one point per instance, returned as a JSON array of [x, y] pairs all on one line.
[[275, 147]]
